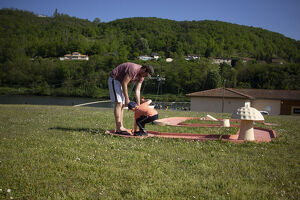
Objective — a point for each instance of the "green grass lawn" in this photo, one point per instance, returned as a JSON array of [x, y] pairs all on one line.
[[52, 152]]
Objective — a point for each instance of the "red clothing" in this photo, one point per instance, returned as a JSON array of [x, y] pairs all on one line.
[[128, 68], [145, 110]]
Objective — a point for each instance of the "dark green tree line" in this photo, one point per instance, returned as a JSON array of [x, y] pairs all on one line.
[[30, 47]]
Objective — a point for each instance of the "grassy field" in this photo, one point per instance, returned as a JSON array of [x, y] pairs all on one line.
[[52, 152]]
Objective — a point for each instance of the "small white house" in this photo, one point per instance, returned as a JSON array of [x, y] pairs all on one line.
[[245, 60], [74, 56], [277, 61], [221, 60], [192, 57]]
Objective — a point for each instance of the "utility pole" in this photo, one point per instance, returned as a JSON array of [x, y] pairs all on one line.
[[223, 95]]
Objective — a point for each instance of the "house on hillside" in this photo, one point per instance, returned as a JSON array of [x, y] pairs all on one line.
[[156, 56], [228, 100], [42, 16], [277, 61], [145, 58], [221, 60], [245, 60], [192, 57], [74, 56]]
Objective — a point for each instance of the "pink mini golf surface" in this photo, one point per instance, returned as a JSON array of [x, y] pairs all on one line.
[[260, 134]]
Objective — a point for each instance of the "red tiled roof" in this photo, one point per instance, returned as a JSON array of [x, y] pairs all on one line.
[[218, 92], [249, 94]]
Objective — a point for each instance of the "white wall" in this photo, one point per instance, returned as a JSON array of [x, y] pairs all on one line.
[[205, 104], [272, 106]]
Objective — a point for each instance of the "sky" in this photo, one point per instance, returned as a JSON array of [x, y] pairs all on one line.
[[281, 16]]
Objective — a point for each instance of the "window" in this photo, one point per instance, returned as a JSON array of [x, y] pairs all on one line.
[[295, 110]]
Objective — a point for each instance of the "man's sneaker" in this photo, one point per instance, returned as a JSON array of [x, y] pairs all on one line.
[[143, 133], [140, 133]]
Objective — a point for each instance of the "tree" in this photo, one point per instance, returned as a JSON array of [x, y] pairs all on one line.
[[56, 14], [96, 20], [143, 46], [213, 80]]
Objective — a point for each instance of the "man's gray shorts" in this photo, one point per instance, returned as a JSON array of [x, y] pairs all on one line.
[[115, 90]]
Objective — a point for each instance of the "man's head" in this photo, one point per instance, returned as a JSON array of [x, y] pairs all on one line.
[[131, 105], [147, 70]]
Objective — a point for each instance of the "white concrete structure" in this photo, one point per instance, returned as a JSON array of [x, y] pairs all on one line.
[[225, 123], [169, 59], [247, 115]]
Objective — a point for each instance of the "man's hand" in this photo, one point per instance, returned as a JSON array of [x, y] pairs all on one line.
[[138, 93]]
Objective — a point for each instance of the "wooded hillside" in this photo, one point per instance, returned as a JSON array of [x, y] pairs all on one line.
[[61, 34], [30, 47]]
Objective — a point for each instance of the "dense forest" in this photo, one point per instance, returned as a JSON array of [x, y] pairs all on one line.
[[30, 47]]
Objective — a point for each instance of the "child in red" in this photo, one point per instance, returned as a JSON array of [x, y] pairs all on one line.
[[142, 114]]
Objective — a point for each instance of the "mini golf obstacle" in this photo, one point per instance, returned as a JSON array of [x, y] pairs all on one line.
[[247, 132], [260, 134]]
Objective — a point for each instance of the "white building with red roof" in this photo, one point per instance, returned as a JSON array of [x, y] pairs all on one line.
[[274, 102]]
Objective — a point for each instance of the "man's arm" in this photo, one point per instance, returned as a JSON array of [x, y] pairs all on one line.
[[138, 93], [125, 88]]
